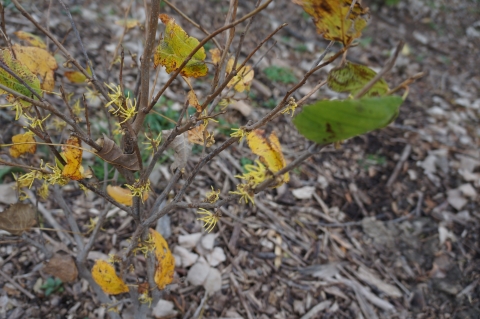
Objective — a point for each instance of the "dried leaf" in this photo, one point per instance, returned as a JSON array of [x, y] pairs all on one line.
[[216, 55], [73, 156], [175, 47], [77, 76], [166, 262], [243, 80], [193, 101], [269, 150], [17, 218], [104, 275], [182, 148], [40, 62], [62, 266], [352, 77], [22, 72], [330, 17], [113, 154], [32, 39], [198, 134], [129, 23], [19, 148], [123, 195]]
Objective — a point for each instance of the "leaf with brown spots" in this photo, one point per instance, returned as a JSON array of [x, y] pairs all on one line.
[[166, 262], [19, 147], [39, 62], [352, 77], [113, 154], [269, 150], [61, 266], [175, 47], [198, 135], [18, 218], [32, 39], [104, 275], [330, 17], [73, 156]]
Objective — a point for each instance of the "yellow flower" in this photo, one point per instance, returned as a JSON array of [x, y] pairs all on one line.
[[92, 96], [213, 196], [245, 192], [77, 109], [34, 121], [153, 143], [43, 191], [255, 174], [291, 106], [140, 190], [210, 219], [239, 132]]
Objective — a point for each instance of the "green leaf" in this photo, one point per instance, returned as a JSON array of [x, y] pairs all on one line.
[[22, 72], [352, 77], [331, 121]]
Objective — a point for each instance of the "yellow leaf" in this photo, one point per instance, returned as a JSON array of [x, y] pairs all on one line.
[[175, 47], [32, 39], [73, 157], [196, 136], [77, 76], [19, 148], [166, 262], [243, 79], [22, 72], [193, 101], [330, 17], [270, 152], [129, 23], [39, 62], [104, 275], [216, 55], [122, 195]]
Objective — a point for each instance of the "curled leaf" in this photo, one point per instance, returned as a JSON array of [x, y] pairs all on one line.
[[17, 218], [32, 39], [113, 154], [352, 77], [216, 55], [331, 121], [40, 62], [104, 275], [122, 195], [182, 147], [166, 262], [22, 72], [198, 135], [175, 47], [73, 156], [62, 266], [269, 150], [19, 148], [193, 101], [330, 17]]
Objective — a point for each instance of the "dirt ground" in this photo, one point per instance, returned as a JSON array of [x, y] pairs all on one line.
[[385, 226]]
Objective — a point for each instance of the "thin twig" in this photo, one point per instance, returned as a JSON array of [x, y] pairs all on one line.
[[67, 210], [23, 290]]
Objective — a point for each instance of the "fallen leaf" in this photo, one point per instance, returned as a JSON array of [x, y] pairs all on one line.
[[216, 55], [123, 195], [8, 193], [175, 47], [61, 266], [242, 107], [305, 192], [22, 72], [104, 275], [198, 134], [182, 148], [32, 39], [18, 218], [270, 152], [330, 17], [129, 23], [113, 154], [332, 121], [352, 77], [40, 62], [166, 262], [19, 148], [243, 80], [164, 309], [193, 101], [73, 156]]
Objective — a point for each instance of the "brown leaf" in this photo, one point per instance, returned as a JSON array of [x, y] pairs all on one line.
[[198, 134], [113, 154], [182, 148], [193, 101], [61, 266], [17, 218]]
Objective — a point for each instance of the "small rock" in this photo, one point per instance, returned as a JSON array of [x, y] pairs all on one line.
[[198, 273], [187, 258], [468, 190], [190, 240], [464, 102], [208, 241], [455, 199], [216, 257], [164, 308], [305, 192], [213, 282]]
